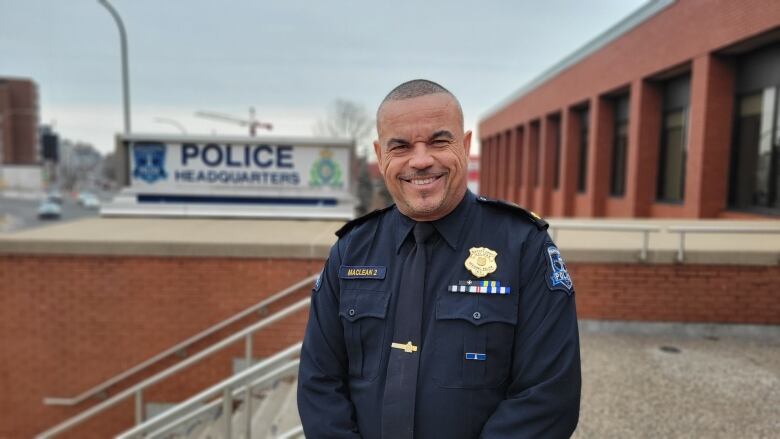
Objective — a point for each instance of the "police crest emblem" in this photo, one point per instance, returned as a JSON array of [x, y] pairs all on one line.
[[558, 276], [325, 171], [149, 161], [481, 261]]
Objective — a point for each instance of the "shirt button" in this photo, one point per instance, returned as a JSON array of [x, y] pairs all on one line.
[[476, 315], [352, 312]]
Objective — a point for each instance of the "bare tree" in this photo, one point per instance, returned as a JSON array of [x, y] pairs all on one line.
[[352, 120], [348, 119]]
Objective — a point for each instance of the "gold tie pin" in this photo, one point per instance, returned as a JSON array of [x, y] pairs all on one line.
[[408, 347]]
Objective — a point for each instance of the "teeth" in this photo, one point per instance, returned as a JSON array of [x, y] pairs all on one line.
[[423, 181]]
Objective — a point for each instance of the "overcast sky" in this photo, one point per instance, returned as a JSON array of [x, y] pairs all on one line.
[[289, 59]]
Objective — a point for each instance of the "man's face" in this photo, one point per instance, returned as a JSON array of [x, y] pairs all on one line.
[[423, 154]]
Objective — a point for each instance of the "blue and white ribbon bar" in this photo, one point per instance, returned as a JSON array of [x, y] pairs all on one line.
[[476, 356], [480, 283], [476, 289]]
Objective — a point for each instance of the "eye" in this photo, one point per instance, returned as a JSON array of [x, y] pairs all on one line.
[[398, 147], [440, 142]]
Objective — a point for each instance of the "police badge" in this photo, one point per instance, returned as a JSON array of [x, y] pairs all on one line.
[[558, 276], [481, 261], [149, 161]]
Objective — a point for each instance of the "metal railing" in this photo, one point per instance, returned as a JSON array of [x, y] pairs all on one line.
[[645, 230], [179, 347], [228, 390], [138, 389], [295, 432], [683, 230]]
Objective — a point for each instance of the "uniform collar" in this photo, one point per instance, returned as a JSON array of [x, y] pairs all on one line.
[[448, 227]]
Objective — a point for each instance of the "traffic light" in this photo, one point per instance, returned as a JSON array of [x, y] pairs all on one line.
[[51, 147]]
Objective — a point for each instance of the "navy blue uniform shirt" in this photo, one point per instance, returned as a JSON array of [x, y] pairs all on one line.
[[524, 384]]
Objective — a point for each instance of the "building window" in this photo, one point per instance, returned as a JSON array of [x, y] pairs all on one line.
[[555, 132], [673, 150], [617, 185], [519, 166], [582, 171], [755, 164], [757, 155], [535, 153]]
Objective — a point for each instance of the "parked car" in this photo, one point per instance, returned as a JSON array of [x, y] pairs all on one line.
[[49, 209], [89, 201], [54, 196], [82, 195]]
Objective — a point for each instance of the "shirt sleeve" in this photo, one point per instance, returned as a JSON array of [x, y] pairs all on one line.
[[543, 396], [323, 392]]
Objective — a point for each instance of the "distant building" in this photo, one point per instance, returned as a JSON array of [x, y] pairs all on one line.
[[18, 121], [672, 112], [473, 174]]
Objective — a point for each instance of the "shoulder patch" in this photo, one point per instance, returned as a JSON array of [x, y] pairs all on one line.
[[531, 216], [558, 277], [360, 220], [318, 281]]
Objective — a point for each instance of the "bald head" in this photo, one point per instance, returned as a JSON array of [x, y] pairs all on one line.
[[416, 88]]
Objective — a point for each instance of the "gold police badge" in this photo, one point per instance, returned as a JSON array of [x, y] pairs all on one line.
[[481, 261]]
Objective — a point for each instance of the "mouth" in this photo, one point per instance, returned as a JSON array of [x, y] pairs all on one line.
[[422, 181]]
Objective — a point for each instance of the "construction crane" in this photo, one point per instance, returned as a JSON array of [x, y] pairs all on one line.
[[252, 122]]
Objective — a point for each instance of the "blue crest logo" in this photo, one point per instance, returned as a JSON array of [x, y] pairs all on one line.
[[149, 161], [559, 276]]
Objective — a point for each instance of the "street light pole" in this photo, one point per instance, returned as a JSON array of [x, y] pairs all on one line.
[[170, 121], [125, 80]]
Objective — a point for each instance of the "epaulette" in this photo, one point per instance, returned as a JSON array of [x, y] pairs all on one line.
[[534, 218], [360, 220]]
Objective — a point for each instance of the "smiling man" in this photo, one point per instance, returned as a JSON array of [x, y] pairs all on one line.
[[446, 315]]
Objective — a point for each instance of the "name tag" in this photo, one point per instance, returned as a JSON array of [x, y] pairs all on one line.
[[362, 272]]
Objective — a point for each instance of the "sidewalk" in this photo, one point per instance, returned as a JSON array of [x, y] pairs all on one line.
[[715, 387]]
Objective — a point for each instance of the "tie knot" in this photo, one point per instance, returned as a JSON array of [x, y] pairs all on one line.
[[422, 232]]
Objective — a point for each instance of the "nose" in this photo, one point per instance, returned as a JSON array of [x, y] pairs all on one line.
[[421, 156]]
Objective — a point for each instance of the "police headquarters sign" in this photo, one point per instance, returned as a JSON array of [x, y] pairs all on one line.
[[254, 176]]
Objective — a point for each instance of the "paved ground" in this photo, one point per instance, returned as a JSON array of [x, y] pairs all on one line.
[[715, 387], [22, 213]]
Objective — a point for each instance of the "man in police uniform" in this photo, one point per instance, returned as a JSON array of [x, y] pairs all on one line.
[[446, 315]]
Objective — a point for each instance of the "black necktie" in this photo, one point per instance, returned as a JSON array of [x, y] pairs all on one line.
[[404, 361]]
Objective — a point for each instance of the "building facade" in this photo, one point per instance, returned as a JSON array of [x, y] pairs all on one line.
[[18, 122], [673, 112]]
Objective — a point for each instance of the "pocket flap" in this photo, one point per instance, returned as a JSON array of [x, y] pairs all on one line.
[[477, 309], [357, 304]]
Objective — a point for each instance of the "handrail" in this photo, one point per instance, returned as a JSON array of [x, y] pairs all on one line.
[[230, 387], [682, 230], [137, 389], [69, 401], [294, 432], [644, 229]]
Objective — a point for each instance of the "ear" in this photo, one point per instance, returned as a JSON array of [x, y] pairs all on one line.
[[467, 143], [378, 153]]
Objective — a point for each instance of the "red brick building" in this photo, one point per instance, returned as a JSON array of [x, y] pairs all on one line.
[[18, 121], [673, 112]]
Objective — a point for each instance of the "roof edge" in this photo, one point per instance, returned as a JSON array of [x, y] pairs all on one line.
[[620, 28]]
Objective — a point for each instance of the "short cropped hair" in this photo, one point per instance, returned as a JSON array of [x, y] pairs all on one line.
[[416, 88]]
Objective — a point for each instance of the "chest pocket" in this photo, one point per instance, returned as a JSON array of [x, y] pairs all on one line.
[[474, 337], [363, 314]]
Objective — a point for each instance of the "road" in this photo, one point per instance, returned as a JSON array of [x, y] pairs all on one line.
[[19, 214]]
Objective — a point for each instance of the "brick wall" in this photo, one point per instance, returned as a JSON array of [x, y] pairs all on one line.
[[67, 323], [688, 37]]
